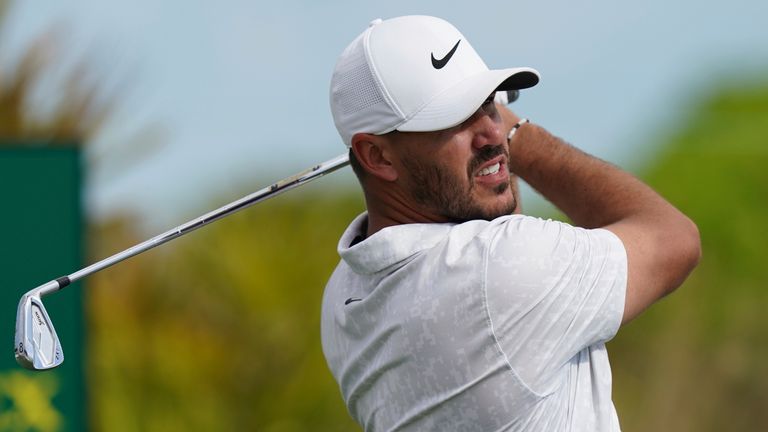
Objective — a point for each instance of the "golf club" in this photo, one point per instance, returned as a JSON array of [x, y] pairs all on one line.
[[36, 345]]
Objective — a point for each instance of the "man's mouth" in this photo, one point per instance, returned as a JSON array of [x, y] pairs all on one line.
[[491, 166], [493, 169], [488, 168]]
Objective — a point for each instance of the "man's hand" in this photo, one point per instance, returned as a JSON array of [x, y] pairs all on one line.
[[507, 117]]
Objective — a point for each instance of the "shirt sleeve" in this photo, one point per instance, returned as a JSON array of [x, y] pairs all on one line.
[[552, 290]]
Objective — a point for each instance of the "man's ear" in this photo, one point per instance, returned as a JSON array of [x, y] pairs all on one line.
[[372, 151]]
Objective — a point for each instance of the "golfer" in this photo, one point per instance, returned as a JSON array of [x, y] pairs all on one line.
[[450, 310]]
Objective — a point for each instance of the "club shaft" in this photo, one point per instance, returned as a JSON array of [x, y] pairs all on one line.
[[275, 189], [281, 186]]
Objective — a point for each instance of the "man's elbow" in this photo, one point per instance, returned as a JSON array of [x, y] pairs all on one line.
[[693, 245], [687, 251]]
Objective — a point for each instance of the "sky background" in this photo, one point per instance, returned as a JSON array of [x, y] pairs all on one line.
[[233, 95]]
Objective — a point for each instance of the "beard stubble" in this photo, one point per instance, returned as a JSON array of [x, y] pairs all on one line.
[[445, 194]]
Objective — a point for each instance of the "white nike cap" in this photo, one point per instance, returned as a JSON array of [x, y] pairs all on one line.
[[413, 74]]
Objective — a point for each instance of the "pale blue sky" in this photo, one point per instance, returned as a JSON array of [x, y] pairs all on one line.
[[240, 87]]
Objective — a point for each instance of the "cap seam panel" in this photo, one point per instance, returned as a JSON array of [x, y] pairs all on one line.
[[377, 77]]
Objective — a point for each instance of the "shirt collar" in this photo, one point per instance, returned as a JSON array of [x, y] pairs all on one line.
[[388, 246]]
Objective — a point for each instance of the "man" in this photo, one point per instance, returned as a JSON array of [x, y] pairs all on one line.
[[449, 311]]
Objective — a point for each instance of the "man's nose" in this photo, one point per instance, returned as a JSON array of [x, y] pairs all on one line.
[[486, 125]]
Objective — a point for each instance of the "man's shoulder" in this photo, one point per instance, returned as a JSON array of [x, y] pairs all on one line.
[[519, 239], [505, 226]]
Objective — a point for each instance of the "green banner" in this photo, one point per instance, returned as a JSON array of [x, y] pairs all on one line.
[[41, 239]]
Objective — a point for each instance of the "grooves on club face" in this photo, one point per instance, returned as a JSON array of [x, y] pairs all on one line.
[[36, 346]]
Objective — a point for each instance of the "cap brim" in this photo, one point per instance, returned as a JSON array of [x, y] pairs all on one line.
[[458, 103]]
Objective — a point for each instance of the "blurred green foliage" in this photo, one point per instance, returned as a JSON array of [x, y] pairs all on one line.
[[32, 407], [698, 360], [220, 330]]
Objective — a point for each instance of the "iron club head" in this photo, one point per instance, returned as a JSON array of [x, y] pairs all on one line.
[[36, 344]]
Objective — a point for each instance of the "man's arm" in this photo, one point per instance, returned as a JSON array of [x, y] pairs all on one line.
[[662, 244]]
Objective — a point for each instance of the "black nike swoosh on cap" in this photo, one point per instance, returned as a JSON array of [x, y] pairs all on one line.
[[439, 64]]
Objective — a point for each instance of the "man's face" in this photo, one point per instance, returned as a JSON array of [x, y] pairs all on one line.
[[461, 173]]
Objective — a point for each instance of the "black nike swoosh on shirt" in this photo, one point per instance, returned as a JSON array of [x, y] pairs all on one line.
[[350, 300], [439, 64]]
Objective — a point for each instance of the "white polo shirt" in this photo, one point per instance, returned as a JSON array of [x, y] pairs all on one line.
[[480, 326]]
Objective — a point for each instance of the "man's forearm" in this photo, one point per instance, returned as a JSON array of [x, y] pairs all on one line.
[[593, 193]]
